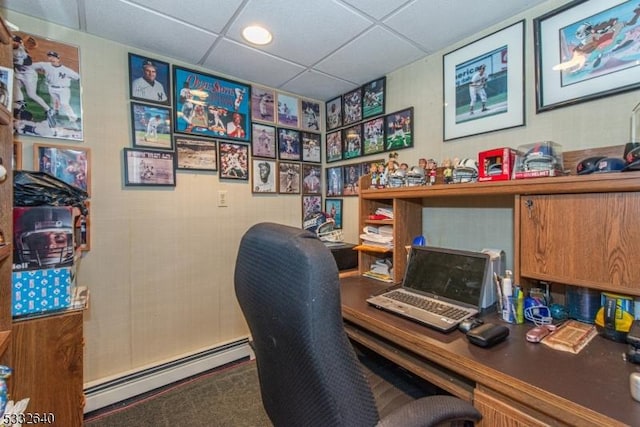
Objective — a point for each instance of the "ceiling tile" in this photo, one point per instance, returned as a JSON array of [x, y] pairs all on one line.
[[242, 62], [377, 9], [318, 85], [302, 31], [126, 23], [61, 12], [369, 56]]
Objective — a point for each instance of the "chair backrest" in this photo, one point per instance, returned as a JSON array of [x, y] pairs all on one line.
[[286, 282]]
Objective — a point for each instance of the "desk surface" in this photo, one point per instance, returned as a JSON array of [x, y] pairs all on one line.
[[591, 387]]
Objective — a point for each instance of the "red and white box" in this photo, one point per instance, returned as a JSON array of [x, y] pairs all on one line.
[[496, 164]]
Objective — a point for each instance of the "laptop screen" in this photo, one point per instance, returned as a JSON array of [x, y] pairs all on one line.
[[447, 273]]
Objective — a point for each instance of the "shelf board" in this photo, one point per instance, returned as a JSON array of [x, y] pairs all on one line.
[[379, 221], [376, 249]]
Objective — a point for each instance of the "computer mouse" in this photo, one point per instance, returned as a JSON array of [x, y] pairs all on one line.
[[468, 324]]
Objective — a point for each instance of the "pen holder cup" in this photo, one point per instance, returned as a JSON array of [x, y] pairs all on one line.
[[512, 310]]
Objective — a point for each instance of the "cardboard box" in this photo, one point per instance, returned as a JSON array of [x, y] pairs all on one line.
[[41, 291], [496, 164], [44, 237]]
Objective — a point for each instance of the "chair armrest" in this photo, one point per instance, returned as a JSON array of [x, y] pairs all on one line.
[[431, 411]]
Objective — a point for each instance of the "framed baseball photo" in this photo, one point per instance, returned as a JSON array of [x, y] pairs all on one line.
[[373, 98], [263, 143], [333, 208], [311, 179], [373, 136], [207, 105], [483, 84], [334, 181], [351, 175], [399, 130], [352, 142], [352, 106], [47, 101], [149, 168], [193, 153], [263, 102], [311, 147], [310, 115], [288, 111], [149, 80], [289, 177], [264, 176], [151, 126], [234, 161], [289, 144], [311, 205], [333, 146], [334, 113], [68, 163]]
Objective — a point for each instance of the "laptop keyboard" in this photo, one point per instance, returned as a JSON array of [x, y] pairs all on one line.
[[431, 306]]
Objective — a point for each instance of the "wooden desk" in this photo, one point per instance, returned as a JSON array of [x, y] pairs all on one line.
[[515, 382]]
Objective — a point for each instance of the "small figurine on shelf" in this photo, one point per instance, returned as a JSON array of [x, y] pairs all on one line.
[[448, 171], [378, 176], [432, 171], [392, 164]]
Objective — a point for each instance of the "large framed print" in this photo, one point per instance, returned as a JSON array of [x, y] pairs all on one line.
[[586, 50], [484, 84], [333, 146], [311, 147], [310, 115], [399, 129], [263, 104], [263, 178], [47, 101], [234, 161], [288, 111], [373, 98], [334, 113], [333, 208], [149, 80], [193, 153], [151, 126], [264, 141], [70, 164], [352, 106], [207, 105], [149, 168], [373, 131]]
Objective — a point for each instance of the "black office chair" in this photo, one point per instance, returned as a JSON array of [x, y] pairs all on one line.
[[286, 282]]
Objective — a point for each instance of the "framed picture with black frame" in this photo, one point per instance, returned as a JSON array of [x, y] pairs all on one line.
[[151, 126], [333, 113], [373, 98], [149, 168], [352, 142], [399, 130], [311, 147], [289, 144], [333, 208], [234, 160], [373, 136], [333, 146], [334, 181], [149, 80], [352, 106], [196, 153]]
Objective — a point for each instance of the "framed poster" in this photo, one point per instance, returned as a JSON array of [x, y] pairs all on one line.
[[311, 205], [196, 153], [586, 50], [151, 126], [289, 177], [351, 175], [484, 84], [48, 97], [289, 144], [352, 106], [263, 142], [149, 168], [334, 113], [334, 181], [311, 179], [352, 142], [373, 98], [263, 178], [70, 164], [334, 146], [399, 130], [310, 115], [288, 111], [311, 147], [149, 79], [333, 208], [373, 135], [234, 161], [207, 105], [263, 104]]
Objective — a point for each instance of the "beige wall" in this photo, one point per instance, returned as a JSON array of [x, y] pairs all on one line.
[[161, 265]]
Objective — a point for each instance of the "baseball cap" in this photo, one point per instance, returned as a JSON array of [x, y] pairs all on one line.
[[17, 39], [146, 62], [53, 53]]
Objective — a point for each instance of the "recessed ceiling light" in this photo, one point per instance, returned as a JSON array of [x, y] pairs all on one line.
[[257, 35]]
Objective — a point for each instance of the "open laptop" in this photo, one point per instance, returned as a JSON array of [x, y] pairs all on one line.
[[441, 287]]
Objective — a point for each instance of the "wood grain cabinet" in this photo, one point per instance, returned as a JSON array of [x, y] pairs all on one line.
[[588, 240]]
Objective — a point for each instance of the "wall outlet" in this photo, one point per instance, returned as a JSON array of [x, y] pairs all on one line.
[[222, 198]]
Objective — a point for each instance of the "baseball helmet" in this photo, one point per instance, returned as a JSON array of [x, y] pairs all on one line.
[[540, 158], [416, 177], [465, 171], [610, 164], [588, 165]]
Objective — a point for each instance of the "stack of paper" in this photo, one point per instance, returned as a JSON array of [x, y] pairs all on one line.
[[387, 212], [378, 236]]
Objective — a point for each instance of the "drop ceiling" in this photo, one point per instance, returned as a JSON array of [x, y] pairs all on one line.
[[320, 48]]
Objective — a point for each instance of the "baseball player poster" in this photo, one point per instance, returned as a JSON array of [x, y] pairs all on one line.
[[484, 84], [207, 105], [47, 95], [149, 79]]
